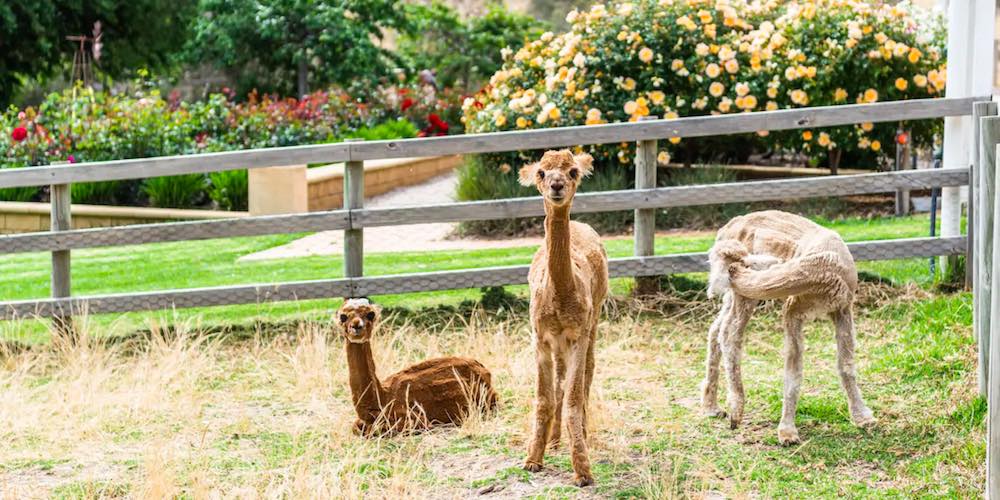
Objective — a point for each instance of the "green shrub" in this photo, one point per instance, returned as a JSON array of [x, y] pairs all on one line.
[[395, 129], [674, 58], [96, 193], [228, 189], [29, 193], [179, 191]]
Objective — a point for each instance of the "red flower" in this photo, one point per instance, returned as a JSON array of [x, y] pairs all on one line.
[[19, 134], [437, 122], [407, 104]]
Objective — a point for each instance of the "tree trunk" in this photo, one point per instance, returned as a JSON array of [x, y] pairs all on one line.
[[303, 76], [834, 157]]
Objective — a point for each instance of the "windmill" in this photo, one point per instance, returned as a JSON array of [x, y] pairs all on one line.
[[83, 58]]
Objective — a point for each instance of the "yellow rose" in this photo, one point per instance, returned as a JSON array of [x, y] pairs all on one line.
[[631, 107], [670, 115], [811, 71], [675, 140], [622, 36], [807, 136], [716, 89], [742, 89], [850, 43], [593, 116], [876, 145], [772, 92], [663, 158], [914, 56], [800, 97], [521, 122], [790, 73], [732, 66], [867, 126], [676, 65], [839, 95], [920, 80], [871, 95], [645, 54], [824, 139], [500, 120], [901, 83], [657, 97], [628, 84], [771, 106], [725, 104], [763, 133], [712, 70], [749, 102]]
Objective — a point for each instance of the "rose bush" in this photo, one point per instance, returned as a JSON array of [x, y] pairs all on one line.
[[672, 58]]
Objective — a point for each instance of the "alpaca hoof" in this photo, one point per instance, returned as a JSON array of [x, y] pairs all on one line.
[[734, 421], [582, 480], [865, 420], [788, 435], [532, 466], [713, 413]]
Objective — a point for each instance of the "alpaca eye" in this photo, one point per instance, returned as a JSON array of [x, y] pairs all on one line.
[[343, 318], [573, 173], [541, 174], [371, 316]]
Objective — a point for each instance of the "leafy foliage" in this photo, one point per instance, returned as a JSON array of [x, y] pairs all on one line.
[[463, 52], [672, 58], [266, 44], [229, 189], [136, 33], [179, 191]]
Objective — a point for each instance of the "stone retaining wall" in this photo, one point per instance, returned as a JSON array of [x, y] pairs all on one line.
[[24, 217]]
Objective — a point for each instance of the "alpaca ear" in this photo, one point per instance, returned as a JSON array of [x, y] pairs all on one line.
[[585, 163], [376, 311], [526, 176]]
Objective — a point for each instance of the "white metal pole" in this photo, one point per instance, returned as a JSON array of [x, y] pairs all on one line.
[[993, 397], [970, 72]]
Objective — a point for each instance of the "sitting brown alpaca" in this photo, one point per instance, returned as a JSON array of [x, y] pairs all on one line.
[[568, 281], [778, 255], [435, 392]]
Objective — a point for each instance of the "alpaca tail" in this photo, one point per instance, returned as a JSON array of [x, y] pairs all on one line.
[[765, 277]]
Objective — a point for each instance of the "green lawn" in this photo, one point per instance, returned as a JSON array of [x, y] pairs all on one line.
[[213, 263]]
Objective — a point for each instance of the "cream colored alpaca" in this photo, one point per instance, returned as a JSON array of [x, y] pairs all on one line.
[[568, 281], [778, 255]]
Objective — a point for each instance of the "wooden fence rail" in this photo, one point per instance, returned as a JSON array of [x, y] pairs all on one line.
[[354, 217]]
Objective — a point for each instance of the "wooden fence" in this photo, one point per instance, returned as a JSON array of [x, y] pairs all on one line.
[[645, 199]]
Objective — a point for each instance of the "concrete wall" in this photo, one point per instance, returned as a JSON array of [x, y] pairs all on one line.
[[21, 217]]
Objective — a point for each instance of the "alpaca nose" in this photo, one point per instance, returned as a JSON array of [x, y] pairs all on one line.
[[557, 186]]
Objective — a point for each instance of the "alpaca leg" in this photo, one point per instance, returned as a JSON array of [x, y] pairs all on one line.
[[844, 323], [731, 333], [710, 386], [575, 404], [589, 377], [555, 431], [544, 409], [787, 433]]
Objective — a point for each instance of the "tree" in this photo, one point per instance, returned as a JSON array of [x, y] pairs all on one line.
[[463, 52], [268, 44], [137, 33]]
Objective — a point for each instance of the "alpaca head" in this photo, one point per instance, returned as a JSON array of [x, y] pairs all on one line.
[[357, 319], [557, 175]]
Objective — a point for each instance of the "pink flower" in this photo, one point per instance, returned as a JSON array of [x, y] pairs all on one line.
[[19, 134], [71, 159]]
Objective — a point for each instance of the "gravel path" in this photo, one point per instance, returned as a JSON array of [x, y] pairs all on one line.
[[410, 238]]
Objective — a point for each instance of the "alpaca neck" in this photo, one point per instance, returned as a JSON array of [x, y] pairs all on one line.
[[366, 390], [557, 245]]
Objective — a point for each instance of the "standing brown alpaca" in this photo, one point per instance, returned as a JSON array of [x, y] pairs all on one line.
[[778, 255], [568, 281], [435, 392]]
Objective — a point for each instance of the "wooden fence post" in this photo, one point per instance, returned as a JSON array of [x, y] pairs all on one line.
[[645, 218], [989, 136], [354, 198], [61, 220], [993, 397]]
